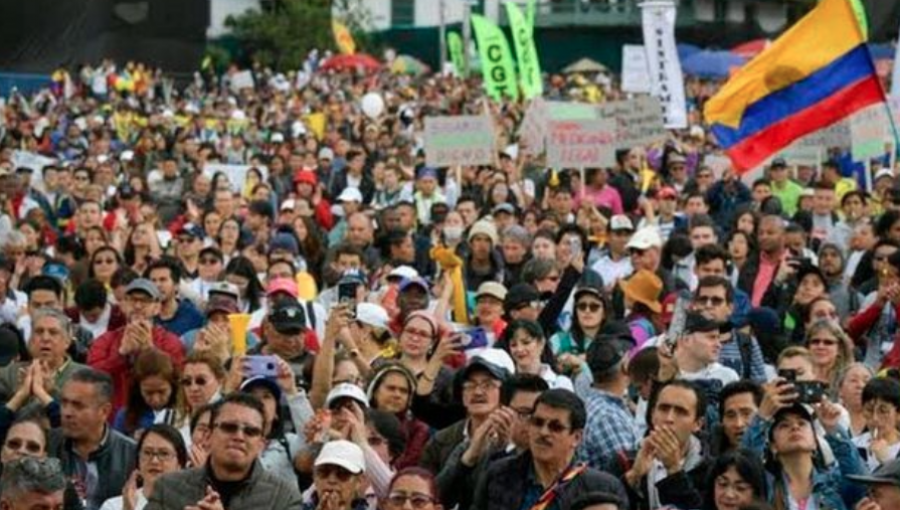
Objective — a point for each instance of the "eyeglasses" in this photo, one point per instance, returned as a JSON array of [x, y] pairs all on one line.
[[554, 426], [230, 428], [709, 300], [415, 500], [208, 261], [480, 386], [161, 455], [29, 447], [828, 342], [199, 381], [327, 471], [589, 307]]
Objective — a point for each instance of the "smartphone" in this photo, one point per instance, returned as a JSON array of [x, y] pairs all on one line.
[[575, 246], [347, 292], [265, 366], [811, 392], [473, 338], [788, 374]]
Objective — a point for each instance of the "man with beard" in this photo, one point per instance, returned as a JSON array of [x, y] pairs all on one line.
[[232, 477]]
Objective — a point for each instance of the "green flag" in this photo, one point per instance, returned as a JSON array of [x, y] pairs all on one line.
[[455, 47], [497, 67], [529, 14], [526, 52]]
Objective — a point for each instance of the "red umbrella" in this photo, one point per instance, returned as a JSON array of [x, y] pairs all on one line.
[[349, 62], [751, 49]]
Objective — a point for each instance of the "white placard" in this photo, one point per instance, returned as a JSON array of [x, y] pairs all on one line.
[[666, 80], [635, 72]]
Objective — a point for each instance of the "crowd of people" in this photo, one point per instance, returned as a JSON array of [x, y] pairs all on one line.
[[230, 297]]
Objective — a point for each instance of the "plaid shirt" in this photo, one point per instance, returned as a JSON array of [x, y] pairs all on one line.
[[609, 432]]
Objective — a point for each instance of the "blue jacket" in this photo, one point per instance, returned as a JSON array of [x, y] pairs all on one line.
[[832, 488]]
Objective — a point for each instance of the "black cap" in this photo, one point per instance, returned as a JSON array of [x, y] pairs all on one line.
[[796, 409], [888, 473], [520, 294], [605, 352], [588, 289], [697, 322], [618, 330], [126, 191], [779, 163], [808, 268], [288, 317]]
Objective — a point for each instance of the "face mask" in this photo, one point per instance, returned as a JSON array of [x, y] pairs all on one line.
[[453, 233]]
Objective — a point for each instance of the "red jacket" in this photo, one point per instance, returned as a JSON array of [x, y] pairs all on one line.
[[865, 320], [104, 355]]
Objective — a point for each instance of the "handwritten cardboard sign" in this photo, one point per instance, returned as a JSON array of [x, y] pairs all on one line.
[[459, 140], [581, 143]]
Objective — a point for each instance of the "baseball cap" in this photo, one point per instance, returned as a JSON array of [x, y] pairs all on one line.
[[796, 409], [888, 474], [342, 453], [884, 172], [276, 138], [284, 242], [588, 289], [427, 172], [347, 390], [778, 163], [191, 229], [307, 177], [676, 157], [493, 289], [667, 192], [647, 237], [286, 285], [287, 317], [418, 281], [520, 294], [621, 222], [372, 315], [496, 361], [505, 207], [326, 153], [126, 191], [350, 195], [403, 272], [221, 303], [264, 382], [288, 205], [697, 322], [143, 285], [225, 289]]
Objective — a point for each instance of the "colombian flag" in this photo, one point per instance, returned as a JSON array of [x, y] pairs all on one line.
[[814, 75]]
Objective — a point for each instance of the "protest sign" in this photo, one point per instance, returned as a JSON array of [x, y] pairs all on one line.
[[461, 140], [666, 80], [581, 143], [526, 51], [635, 73], [236, 174], [497, 67], [639, 121], [532, 129], [869, 130], [242, 80]]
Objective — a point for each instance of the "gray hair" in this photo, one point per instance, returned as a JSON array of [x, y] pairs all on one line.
[[100, 380], [518, 234], [64, 322], [30, 474]]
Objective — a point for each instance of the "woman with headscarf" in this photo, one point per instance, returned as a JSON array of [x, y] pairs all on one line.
[[391, 390]]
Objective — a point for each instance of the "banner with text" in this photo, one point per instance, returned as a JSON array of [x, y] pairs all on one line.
[[869, 130], [526, 52], [460, 140], [581, 143], [635, 72], [639, 121], [497, 66], [666, 81]]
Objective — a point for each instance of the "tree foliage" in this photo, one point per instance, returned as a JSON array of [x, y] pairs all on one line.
[[282, 33]]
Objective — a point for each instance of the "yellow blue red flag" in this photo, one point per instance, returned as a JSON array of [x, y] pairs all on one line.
[[815, 74]]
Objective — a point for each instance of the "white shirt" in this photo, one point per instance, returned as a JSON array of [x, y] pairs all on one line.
[[117, 503], [612, 270], [101, 326], [714, 370]]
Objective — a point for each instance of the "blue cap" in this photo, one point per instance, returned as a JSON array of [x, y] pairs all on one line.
[[409, 282], [192, 230], [265, 382], [427, 171], [286, 242]]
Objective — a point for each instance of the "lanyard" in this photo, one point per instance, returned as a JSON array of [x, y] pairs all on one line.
[[549, 495]]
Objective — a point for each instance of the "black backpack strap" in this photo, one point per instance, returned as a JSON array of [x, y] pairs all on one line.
[[311, 315]]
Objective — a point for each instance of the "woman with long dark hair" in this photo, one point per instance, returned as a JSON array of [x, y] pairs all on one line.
[[104, 263], [735, 479], [525, 342], [241, 273], [152, 396]]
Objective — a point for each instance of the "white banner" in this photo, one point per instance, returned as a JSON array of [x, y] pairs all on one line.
[[635, 73], [666, 82], [895, 75]]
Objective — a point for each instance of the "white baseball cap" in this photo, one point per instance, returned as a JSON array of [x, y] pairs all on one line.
[[342, 453], [350, 195], [621, 222], [347, 390], [403, 272], [647, 237], [372, 315]]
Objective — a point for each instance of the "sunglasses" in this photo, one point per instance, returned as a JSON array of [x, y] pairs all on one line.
[[199, 381], [554, 426], [327, 471], [592, 307], [30, 447], [231, 428], [710, 300]]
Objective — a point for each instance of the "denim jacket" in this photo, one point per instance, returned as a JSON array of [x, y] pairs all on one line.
[[832, 488]]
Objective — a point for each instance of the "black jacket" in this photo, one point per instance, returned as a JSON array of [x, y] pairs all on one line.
[[504, 485], [115, 460]]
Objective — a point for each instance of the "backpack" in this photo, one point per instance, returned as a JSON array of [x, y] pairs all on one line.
[[745, 345]]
